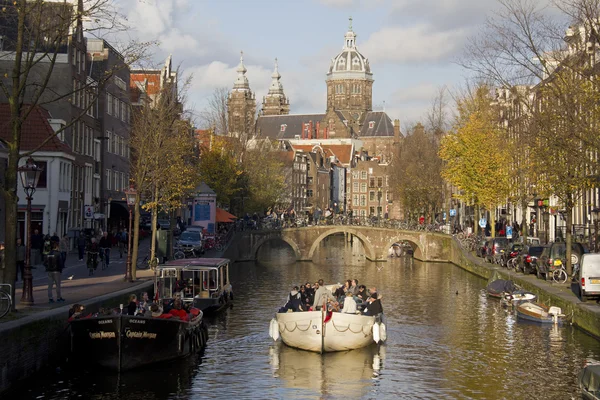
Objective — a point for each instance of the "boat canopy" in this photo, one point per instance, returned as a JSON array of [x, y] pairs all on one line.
[[193, 278], [501, 285]]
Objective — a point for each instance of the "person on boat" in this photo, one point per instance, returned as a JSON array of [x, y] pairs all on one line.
[[294, 301], [321, 294], [373, 306], [155, 311], [354, 287], [178, 311], [133, 305], [76, 311], [349, 304], [305, 297], [144, 303], [362, 293]]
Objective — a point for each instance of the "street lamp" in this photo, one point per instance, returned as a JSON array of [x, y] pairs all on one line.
[[596, 214], [30, 175], [131, 195]]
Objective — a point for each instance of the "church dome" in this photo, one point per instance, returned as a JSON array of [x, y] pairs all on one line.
[[350, 63]]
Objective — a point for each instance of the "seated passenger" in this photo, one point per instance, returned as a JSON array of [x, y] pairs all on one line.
[[155, 311], [349, 304], [294, 301], [354, 287], [362, 293], [322, 294], [373, 306], [178, 310]]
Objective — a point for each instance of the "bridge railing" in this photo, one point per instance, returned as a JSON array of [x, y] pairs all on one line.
[[274, 223]]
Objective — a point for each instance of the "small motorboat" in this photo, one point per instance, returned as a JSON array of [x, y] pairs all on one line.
[[395, 250], [500, 287], [323, 331], [517, 297], [540, 313]]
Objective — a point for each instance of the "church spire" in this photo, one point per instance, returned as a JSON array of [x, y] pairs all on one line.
[[350, 38], [241, 83], [276, 86]]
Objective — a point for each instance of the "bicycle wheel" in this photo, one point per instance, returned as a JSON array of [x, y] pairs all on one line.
[[219, 247], [5, 303], [142, 262], [179, 255], [559, 276], [153, 263]]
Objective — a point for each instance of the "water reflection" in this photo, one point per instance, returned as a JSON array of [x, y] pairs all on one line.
[[332, 374]]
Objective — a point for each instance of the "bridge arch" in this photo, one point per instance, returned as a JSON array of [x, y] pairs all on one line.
[[371, 255], [418, 247], [269, 238]]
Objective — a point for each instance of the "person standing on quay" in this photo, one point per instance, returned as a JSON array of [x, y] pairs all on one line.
[[54, 266], [20, 258], [63, 246]]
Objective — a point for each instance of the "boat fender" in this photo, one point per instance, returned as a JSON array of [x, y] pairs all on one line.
[[180, 343], [200, 340], [382, 332], [376, 337], [274, 329]]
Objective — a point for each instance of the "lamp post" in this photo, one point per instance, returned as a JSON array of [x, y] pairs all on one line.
[[30, 175], [131, 195], [596, 215]]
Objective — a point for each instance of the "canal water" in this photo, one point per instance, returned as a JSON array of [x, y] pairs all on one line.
[[446, 340]]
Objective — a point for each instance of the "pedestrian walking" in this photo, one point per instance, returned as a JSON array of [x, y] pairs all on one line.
[[37, 245], [54, 267], [81, 243], [20, 258], [63, 246]]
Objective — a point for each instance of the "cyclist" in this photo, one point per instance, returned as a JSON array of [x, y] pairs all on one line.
[[105, 248], [92, 256]]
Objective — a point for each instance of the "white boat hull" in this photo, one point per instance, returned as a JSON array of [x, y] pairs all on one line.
[[306, 331]]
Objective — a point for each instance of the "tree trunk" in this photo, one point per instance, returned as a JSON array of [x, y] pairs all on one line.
[[9, 268], [154, 222], [136, 237], [493, 221], [568, 235], [524, 222]]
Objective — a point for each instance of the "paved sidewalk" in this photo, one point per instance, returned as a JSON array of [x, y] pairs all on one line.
[[77, 286]]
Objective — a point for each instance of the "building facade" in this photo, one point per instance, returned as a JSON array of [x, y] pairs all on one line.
[[241, 105], [275, 102]]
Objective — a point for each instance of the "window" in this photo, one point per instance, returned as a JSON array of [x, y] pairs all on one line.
[[355, 200], [363, 175], [309, 180], [116, 181], [108, 176], [363, 188], [309, 193], [372, 182], [283, 126], [113, 144], [380, 182], [371, 124], [371, 210], [355, 187], [116, 107], [355, 174], [109, 103], [363, 200], [123, 110], [371, 195]]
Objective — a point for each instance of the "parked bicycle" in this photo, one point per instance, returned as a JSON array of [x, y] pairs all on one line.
[[5, 299], [145, 262]]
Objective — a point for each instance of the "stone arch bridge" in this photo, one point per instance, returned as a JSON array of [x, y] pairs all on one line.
[[304, 241]]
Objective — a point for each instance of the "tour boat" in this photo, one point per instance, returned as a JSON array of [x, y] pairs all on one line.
[[322, 331], [202, 282], [540, 313], [123, 342]]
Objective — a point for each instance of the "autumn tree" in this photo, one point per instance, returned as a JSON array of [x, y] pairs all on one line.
[[474, 153], [164, 168], [215, 116], [417, 179], [220, 168]]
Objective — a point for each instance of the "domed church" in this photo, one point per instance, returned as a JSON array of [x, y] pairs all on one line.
[[349, 113]]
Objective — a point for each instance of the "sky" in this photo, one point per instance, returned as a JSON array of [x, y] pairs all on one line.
[[412, 45]]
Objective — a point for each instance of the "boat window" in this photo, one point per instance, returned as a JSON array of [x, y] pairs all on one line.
[[225, 274], [167, 283], [188, 284]]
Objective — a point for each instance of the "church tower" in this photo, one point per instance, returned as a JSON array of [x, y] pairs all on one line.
[[275, 102], [350, 83], [241, 104]]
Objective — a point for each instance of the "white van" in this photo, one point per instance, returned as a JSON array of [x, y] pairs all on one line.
[[589, 276]]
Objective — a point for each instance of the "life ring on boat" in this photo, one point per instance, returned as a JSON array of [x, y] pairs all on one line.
[[274, 329], [382, 332], [376, 337]]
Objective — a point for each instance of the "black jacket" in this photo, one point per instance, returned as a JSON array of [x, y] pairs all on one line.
[[54, 261], [373, 308]]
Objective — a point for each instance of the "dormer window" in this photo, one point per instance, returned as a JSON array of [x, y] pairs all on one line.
[[283, 126], [371, 124]]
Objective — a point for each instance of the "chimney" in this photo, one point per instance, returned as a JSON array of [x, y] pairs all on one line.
[[318, 130], [397, 128], [310, 129]]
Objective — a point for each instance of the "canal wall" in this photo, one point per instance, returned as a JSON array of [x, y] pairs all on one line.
[[584, 315], [42, 339]]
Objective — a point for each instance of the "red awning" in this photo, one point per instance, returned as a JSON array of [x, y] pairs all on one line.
[[224, 216]]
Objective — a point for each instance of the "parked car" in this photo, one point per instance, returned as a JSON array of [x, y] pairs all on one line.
[[529, 258], [495, 248], [556, 254], [588, 381], [588, 277], [190, 241]]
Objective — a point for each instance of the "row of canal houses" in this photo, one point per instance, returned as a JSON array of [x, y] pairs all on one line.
[[86, 166]]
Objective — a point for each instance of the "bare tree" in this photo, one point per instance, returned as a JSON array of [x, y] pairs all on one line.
[[215, 116]]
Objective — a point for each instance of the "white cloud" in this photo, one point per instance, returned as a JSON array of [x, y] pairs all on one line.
[[423, 92], [416, 43], [337, 3]]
